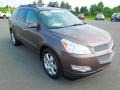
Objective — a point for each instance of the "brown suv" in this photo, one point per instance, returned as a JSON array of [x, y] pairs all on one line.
[[66, 45]]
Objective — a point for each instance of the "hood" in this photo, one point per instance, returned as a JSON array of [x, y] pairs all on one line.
[[84, 34]]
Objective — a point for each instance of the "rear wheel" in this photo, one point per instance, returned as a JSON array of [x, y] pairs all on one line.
[[14, 40], [51, 64]]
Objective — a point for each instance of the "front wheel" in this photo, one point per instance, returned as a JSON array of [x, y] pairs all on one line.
[[51, 64]]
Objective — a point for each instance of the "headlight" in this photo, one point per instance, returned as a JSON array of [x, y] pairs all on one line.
[[75, 48]]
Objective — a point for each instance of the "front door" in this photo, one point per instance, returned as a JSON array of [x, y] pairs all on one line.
[[34, 35]]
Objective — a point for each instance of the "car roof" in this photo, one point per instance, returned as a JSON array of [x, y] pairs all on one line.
[[49, 8], [116, 13], [41, 7]]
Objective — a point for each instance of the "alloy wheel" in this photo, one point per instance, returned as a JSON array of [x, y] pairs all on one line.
[[50, 64]]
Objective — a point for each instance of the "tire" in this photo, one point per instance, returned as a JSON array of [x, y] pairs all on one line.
[[72, 78], [115, 20], [4, 16], [51, 64], [14, 40]]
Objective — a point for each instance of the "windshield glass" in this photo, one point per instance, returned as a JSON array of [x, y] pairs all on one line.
[[81, 14], [59, 19], [100, 15]]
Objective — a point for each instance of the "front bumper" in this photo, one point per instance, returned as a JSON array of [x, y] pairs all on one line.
[[97, 63], [72, 75], [99, 18]]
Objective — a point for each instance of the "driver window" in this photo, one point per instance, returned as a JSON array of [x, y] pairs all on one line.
[[31, 18]]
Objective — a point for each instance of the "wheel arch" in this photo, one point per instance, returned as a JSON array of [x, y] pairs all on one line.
[[44, 46]]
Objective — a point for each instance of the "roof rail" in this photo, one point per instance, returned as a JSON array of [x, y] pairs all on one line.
[[34, 6], [29, 5]]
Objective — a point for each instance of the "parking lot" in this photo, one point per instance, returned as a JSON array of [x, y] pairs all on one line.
[[20, 67]]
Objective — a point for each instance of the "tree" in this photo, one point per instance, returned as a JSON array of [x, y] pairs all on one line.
[[116, 9], [84, 10], [65, 5], [100, 7], [53, 4], [34, 3], [93, 10], [62, 5], [39, 2], [107, 11], [6, 6], [100, 4], [76, 11]]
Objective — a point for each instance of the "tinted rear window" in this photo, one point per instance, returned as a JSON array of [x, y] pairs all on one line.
[[22, 15]]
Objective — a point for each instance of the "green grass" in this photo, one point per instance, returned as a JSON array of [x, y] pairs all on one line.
[[93, 18], [107, 18], [89, 18]]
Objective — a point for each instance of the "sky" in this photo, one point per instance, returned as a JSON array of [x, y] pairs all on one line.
[[73, 3]]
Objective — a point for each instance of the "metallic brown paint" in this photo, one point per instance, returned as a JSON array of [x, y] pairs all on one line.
[[87, 35]]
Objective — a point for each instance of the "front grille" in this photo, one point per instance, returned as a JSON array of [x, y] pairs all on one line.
[[103, 47], [104, 59]]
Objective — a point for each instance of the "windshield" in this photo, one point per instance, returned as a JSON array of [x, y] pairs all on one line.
[[81, 14], [100, 15], [59, 19]]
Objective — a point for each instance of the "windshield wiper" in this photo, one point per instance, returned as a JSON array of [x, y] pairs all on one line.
[[76, 24], [65, 26], [56, 27]]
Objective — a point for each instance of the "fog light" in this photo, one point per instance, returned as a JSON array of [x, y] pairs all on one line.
[[81, 68]]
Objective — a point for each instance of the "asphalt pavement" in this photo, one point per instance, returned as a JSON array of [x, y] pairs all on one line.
[[20, 67]]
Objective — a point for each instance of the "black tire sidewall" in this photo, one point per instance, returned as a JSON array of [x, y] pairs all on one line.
[[11, 38], [17, 42], [4, 16], [57, 75]]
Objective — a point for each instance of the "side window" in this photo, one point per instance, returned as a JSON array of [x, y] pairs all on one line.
[[21, 15], [31, 18], [14, 15]]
